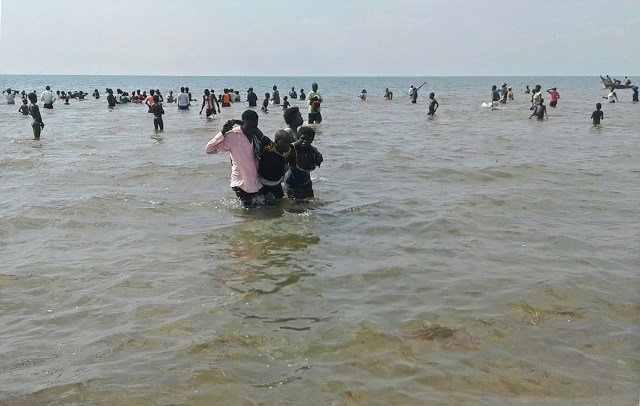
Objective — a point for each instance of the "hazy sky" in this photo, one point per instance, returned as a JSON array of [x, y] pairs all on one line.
[[321, 37]]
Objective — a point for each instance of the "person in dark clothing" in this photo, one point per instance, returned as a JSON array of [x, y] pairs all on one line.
[[37, 125]]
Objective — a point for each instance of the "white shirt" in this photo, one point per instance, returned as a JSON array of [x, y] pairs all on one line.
[[48, 96], [10, 97], [183, 99]]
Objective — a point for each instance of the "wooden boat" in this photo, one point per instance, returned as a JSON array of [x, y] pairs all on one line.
[[609, 83]]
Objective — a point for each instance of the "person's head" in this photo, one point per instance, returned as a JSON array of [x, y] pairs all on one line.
[[33, 98], [314, 86], [156, 99], [432, 95], [250, 90], [540, 100], [226, 90], [286, 98], [182, 89], [206, 92], [494, 87], [275, 87], [266, 95], [301, 90], [170, 92], [152, 92], [306, 135], [58, 92], [598, 106], [24, 101], [293, 117], [249, 120], [283, 140], [48, 88], [186, 89], [527, 86], [293, 88]]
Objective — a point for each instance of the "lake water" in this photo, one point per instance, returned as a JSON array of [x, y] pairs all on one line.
[[476, 258]]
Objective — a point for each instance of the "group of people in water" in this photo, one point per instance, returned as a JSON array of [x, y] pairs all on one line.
[[261, 167], [264, 170], [539, 109]]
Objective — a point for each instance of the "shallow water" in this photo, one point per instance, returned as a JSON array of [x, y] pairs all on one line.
[[474, 258]]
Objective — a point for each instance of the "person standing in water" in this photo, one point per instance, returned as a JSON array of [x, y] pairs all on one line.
[[273, 163], [433, 104], [252, 98], [158, 111], [111, 99], [24, 109], [265, 103], [314, 99], [183, 100], [275, 97], [413, 93], [634, 98], [241, 138], [553, 93], [495, 96], [597, 114], [10, 95], [208, 100], [48, 97], [303, 159], [34, 111], [540, 112], [612, 96], [293, 119]]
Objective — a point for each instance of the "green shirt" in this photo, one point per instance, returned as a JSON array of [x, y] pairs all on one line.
[[310, 96]]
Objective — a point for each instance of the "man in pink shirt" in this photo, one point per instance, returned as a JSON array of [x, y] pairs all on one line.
[[242, 140], [553, 92]]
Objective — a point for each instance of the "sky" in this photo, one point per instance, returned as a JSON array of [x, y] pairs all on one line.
[[321, 37]]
